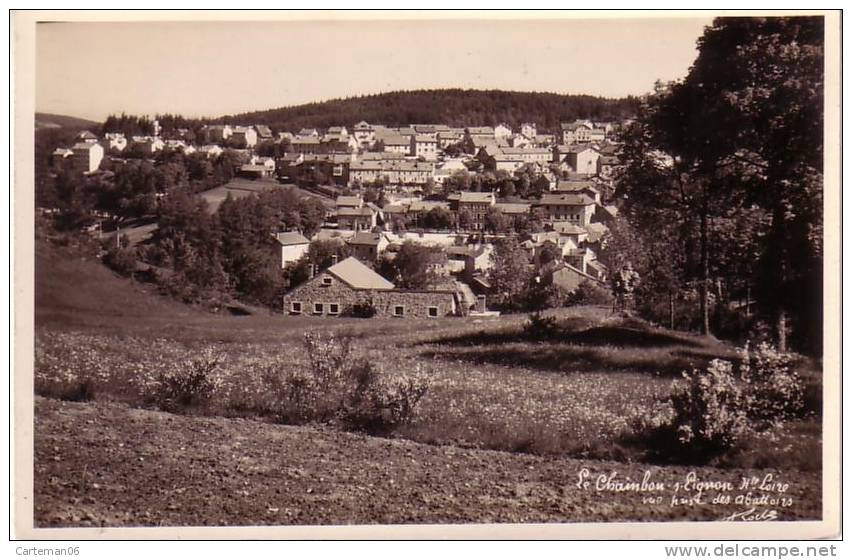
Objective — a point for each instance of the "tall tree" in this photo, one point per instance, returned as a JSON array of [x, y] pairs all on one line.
[[744, 127], [510, 274]]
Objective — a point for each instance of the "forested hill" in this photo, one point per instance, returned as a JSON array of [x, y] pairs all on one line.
[[74, 124], [455, 107]]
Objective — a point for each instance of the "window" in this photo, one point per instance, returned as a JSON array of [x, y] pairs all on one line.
[[318, 309], [333, 308], [398, 310], [326, 280], [296, 307], [433, 311]]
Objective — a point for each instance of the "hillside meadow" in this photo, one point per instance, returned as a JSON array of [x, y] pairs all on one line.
[[492, 387]]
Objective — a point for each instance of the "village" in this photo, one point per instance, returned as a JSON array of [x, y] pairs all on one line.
[[499, 280], [452, 190]]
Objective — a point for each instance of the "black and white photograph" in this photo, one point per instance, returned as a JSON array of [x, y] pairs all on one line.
[[533, 271]]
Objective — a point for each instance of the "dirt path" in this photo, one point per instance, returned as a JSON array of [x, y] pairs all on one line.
[[102, 464]]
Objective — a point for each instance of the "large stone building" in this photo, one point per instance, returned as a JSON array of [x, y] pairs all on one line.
[[351, 288]]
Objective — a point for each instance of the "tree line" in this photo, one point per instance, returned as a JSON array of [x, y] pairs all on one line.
[[723, 183], [454, 107]]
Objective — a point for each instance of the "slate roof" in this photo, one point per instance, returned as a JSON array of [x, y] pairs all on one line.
[[513, 207], [476, 197], [291, 238], [356, 274], [567, 199], [576, 186], [366, 238]]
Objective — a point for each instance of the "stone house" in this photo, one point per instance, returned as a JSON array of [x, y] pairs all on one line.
[[349, 284]]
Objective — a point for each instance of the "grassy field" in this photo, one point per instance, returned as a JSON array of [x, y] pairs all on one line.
[[491, 388]]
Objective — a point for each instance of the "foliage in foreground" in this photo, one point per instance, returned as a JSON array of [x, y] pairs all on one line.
[[557, 398], [717, 408]]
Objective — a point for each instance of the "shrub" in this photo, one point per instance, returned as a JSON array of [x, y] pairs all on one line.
[[189, 382], [702, 418], [773, 391], [709, 412], [339, 387], [381, 402], [121, 260], [589, 293], [716, 409], [541, 327]]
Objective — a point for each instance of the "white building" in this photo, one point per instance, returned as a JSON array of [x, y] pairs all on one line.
[[293, 246], [114, 141], [502, 130], [87, 156]]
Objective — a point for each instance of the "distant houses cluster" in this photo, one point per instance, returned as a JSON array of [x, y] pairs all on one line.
[[421, 171]]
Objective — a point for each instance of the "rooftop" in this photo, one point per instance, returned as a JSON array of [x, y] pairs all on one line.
[[345, 200], [366, 238], [291, 238], [486, 197], [356, 274], [567, 199]]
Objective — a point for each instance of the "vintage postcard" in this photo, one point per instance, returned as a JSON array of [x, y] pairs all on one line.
[[426, 274]]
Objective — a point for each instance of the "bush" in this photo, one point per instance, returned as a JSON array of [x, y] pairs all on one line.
[[121, 260], [709, 412], [773, 391], [717, 408], [590, 293], [190, 382], [340, 388], [541, 327]]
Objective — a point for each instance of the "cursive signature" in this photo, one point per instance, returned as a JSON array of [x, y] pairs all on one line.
[[751, 515]]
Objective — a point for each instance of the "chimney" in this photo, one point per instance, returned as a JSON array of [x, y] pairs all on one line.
[[334, 259], [312, 271]]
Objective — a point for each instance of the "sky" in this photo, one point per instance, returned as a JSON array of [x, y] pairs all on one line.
[[91, 70]]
